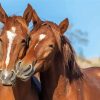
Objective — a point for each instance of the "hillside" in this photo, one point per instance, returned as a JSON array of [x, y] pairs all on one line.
[[84, 63]]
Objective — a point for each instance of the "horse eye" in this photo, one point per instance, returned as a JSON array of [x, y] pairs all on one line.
[[51, 46], [23, 41], [0, 40]]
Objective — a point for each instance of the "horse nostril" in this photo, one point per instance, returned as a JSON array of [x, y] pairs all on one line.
[[28, 68], [18, 65], [25, 72], [0, 72], [13, 77]]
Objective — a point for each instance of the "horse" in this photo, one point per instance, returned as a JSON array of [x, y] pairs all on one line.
[[14, 42], [50, 53]]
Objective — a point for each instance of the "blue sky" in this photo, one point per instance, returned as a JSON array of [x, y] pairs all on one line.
[[84, 15]]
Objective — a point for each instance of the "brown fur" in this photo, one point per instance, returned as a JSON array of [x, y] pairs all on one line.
[[20, 91]]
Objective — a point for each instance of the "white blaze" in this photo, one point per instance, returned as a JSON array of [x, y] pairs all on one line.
[[36, 45], [5, 74], [41, 37], [13, 29], [10, 35]]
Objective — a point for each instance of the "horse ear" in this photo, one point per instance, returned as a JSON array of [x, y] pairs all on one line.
[[3, 15], [36, 20], [64, 25], [30, 14]]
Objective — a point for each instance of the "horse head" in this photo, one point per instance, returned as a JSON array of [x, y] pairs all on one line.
[[45, 41], [14, 42]]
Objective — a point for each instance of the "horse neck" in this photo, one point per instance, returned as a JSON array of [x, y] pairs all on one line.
[[60, 74], [53, 81], [16, 92], [22, 88]]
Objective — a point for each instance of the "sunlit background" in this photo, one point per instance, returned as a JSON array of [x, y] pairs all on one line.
[[84, 18]]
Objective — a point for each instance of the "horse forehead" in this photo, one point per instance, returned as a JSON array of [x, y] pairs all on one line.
[[42, 36], [11, 33]]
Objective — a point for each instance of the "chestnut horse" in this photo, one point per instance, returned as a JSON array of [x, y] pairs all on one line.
[[51, 54], [14, 42]]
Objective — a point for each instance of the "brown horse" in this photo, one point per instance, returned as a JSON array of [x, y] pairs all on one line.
[[14, 44], [51, 54]]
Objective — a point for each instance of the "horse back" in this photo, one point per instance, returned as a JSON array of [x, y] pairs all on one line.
[[91, 83], [92, 73]]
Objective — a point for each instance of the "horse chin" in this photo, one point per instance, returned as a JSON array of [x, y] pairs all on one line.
[[8, 83], [25, 79]]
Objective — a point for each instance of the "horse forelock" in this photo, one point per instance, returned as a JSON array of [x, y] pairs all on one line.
[[56, 32], [23, 23], [20, 21], [73, 71]]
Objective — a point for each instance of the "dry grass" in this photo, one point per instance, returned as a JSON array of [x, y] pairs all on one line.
[[84, 63]]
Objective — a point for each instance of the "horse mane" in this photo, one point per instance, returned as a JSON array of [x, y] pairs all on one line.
[[73, 72], [22, 22]]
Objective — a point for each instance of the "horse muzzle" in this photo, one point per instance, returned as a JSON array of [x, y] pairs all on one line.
[[24, 72], [7, 77]]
